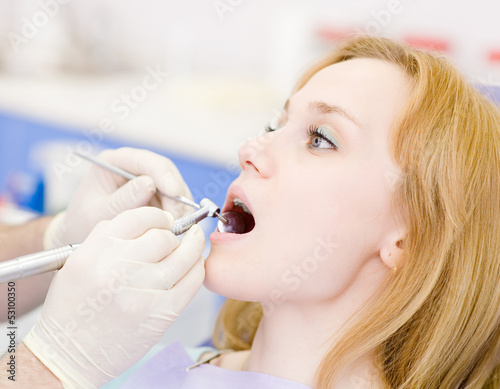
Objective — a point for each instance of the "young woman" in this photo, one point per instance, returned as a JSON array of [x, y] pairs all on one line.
[[371, 256], [375, 256]]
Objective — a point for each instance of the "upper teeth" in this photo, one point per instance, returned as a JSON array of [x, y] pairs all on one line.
[[238, 203]]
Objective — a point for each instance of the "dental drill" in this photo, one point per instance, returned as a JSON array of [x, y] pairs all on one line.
[[54, 259]]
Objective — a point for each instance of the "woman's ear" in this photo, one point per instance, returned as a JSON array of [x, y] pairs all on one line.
[[391, 250]]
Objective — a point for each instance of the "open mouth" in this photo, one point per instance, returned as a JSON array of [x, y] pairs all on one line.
[[241, 220]]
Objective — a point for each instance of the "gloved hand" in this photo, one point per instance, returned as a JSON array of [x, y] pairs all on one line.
[[115, 297], [103, 194]]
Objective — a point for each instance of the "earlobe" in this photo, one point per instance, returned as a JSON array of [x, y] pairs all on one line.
[[390, 252]]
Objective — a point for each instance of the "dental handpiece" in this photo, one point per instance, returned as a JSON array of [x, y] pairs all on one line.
[[54, 259]]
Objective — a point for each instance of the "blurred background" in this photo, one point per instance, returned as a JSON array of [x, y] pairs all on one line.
[[188, 79]]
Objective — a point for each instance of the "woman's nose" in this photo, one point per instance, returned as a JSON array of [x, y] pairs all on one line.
[[256, 155]]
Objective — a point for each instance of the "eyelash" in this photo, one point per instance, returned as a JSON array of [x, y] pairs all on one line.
[[312, 132], [268, 128]]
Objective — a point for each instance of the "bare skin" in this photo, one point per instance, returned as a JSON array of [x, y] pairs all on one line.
[[325, 235], [21, 240], [16, 241], [29, 372]]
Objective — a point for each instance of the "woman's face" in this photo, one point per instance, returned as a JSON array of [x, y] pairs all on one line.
[[319, 188]]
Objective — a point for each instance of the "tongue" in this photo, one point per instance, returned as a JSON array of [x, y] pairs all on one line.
[[236, 223]]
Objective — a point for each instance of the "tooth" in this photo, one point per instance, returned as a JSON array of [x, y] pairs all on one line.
[[239, 203], [246, 209]]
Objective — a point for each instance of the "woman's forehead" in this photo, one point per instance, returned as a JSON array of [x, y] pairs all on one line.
[[358, 72], [364, 87]]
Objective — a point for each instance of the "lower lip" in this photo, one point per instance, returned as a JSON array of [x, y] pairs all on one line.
[[219, 237]]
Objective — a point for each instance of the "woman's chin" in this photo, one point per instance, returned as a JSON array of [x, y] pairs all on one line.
[[225, 285], [214, 280]]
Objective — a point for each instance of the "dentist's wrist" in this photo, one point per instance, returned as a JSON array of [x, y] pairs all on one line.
[[34, 373]]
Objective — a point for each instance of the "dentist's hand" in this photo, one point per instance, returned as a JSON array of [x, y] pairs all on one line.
[[102, 194], [115, 297]]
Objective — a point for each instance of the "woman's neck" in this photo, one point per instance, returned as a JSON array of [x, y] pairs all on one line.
[[292, 340]]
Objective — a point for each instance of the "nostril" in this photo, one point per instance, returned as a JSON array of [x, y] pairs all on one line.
[[248, 164], [253, 159]]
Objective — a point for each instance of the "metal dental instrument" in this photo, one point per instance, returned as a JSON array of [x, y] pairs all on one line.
[[37, 263], [49, 260], [129, 176]]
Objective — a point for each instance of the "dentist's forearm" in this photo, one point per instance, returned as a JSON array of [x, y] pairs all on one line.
[[28, 371], [20, 240]]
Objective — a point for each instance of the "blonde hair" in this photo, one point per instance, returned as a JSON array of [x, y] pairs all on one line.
[[436, 323]]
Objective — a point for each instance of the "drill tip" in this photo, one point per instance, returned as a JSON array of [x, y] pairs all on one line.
[[221, 218]]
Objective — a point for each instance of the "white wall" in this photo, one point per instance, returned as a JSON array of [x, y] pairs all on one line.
[[230, 63], [243, 39]]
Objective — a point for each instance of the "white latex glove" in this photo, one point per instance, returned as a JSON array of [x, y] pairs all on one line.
[[102, 194], [111, 301]]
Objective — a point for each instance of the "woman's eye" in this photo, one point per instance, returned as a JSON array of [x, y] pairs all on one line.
[[320, 142], [321, 139]]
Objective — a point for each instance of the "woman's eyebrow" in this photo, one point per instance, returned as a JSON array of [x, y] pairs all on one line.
[[321, 107]]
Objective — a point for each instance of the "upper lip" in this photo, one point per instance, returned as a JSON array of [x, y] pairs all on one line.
[[234, 192]]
